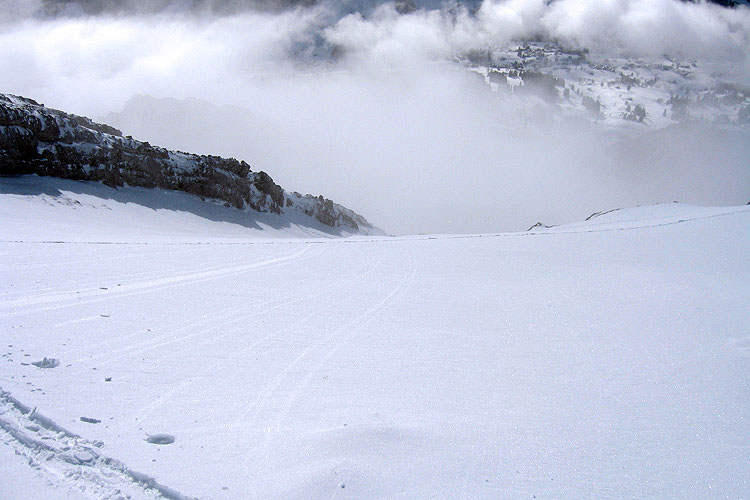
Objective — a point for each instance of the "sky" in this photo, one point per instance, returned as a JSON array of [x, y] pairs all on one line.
[[389, 127]]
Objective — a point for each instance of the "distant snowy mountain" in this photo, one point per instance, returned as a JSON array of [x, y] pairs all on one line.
[[615, 92], [38, 140]]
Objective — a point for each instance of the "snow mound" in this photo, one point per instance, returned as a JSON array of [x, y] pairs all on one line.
[[643, 217]]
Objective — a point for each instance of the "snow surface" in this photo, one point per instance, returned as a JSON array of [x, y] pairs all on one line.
[[94, 212], [606, 359]]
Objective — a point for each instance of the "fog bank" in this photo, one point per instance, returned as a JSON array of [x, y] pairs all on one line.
[[367, 110]]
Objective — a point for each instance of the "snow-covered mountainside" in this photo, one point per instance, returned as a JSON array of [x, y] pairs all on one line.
[[47, 142], [613, 91], [606, 359]]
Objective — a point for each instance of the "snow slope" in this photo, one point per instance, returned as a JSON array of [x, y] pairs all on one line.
[[83, 211], [605, 359]]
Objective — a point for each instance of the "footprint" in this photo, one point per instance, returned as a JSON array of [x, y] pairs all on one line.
[[160, 439]]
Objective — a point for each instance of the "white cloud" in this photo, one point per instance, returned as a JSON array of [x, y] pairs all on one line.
[[632, 27], [408, 141]]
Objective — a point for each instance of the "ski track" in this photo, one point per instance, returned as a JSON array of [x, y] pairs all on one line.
[[229, 363], [329, 346], [94, 285], [188, 275], [149, 286], [274, 383], [173, 335], [72, 462], [186, 323], [98, 258], [152, 341]]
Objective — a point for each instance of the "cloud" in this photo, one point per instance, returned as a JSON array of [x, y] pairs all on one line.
[[367, 110], [72, 8], [628, 27], [92, 64], [632, 27], [651, 27]]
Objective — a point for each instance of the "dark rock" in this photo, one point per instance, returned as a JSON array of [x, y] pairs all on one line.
[[265, 185], [497, 77], [539, 225], [47, 363], [637, 114], [679, 107], [593, 107], [541, 84], [405, 6]]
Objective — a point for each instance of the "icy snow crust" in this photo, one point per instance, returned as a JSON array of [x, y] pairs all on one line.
[[606, 359]]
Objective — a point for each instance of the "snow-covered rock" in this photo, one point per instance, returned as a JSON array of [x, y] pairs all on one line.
[[48, 142], [614, 91]]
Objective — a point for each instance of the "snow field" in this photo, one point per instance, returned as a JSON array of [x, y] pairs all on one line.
[[606, 359]]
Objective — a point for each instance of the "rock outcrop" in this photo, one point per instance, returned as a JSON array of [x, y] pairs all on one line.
[[38, 140]]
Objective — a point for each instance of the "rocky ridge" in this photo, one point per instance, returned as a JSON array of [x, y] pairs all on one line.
[[43, 141]]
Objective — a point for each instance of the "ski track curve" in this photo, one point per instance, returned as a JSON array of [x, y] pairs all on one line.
[[173, 335], [180, 326], [184, 324], [87, 469], [273, 384], [330, 345], [227, 364]]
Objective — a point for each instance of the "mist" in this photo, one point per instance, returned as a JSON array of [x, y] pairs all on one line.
[[369, 109]]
